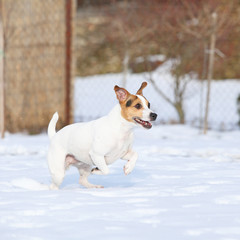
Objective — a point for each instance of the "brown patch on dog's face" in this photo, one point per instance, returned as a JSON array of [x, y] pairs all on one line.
[[126, 101], [131, 108], [134, 108]]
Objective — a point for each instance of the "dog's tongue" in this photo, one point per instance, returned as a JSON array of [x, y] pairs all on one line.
[[145, 124]]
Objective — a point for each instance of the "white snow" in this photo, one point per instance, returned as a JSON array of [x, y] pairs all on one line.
[[184, 186]]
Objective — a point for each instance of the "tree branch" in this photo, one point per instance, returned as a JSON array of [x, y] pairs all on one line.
[[150, 79]]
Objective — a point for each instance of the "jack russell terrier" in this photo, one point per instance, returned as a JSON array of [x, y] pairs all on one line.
[[99, 142]]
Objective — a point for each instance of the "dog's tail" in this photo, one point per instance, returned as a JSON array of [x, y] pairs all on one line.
[[52, 125]]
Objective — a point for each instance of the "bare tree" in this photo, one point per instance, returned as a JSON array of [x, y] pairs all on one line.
[[195, 27], [178, 29], [133, 23], [179, 88], [180, 49]]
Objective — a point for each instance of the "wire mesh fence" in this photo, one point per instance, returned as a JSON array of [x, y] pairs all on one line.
[[34, 62], [94, 97], [120, 32], [39, 64]]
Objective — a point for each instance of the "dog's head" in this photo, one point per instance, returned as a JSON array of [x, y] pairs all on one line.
[[135, 108]]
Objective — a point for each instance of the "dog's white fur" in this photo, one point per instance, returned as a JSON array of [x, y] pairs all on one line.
[[99, 142]]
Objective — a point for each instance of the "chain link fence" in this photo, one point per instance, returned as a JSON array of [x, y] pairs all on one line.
[[37, 62], [94, 97], [39, 53], [100, 48]]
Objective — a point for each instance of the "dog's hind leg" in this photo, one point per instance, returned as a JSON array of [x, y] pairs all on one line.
[[85, 171], [56, 164]]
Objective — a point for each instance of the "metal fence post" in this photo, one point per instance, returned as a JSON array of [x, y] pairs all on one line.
[[210, 69], [2, 104], [68, 12]]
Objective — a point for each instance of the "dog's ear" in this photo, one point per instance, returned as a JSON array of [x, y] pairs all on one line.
[[121, 93], [139, 92]]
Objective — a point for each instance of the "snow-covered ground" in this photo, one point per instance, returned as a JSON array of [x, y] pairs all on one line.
[[184, 186]]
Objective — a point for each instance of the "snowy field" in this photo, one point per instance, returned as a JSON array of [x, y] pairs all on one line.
[[184, 186]]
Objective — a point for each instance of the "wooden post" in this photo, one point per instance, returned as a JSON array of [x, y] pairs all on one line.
[[68, 19], [2, 104], [201, 87], [210, 69]]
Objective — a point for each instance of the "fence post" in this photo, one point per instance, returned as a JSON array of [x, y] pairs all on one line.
[[210, 68], [2, 104], [68, 59]]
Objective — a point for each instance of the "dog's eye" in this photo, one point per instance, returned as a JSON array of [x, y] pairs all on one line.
[[138, 106], [128, 104], [149, 105]]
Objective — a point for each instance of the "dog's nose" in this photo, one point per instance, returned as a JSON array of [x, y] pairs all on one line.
[[153, 116]]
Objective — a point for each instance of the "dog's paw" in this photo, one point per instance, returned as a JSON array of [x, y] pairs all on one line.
[[128, 167], [98, 186], [94, 186], [53, 187], [84, 182]]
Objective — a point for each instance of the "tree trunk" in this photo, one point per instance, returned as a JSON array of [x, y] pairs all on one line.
[[179, 108], [125, 69]]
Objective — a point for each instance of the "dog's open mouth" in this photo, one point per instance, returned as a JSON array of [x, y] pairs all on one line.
[[145, 124]]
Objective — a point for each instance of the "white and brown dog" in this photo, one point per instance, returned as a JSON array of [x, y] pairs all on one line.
[[99, 142]]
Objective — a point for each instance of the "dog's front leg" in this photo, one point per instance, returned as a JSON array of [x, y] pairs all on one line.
[[100, 163], [132, 157]]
